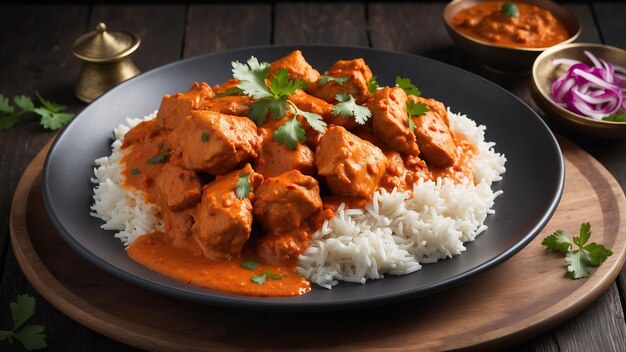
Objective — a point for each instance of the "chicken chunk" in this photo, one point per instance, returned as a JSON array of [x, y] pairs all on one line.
[[434, 107], [211, 142], [178, 187], [390, 120], [357, 74], [351, 165], [222, 221], [285, 202], [237, 105], [275, 158], [174, 108], [283, 248], [318, 106], [296, 66], [435, 141]]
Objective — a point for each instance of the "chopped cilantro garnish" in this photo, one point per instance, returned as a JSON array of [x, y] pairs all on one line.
[[580, 260], [135, 172], [267, 275], [372, 85], [242, 188], [408, 87], [509, 9], [160, 145], [250, 264], [274, 98], [414, 109], [204, 137], [340, 80], [347, 107], [229, 91], [159, 158]]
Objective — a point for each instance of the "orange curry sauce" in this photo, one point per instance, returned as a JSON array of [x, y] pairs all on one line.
[[186, 262], [534, 27]]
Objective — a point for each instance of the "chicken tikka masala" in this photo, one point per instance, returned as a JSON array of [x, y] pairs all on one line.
[[243, 184]]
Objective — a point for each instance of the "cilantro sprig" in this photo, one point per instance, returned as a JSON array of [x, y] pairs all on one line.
[[159, 158], [30, 336], [52, 115], [267, 275], [585, 255], [250, 264], [347, 107], [242, 187], [615, 118], [372, 84], [274, 98], [509, 9], [324, 79], [414, 109], [408, 87]]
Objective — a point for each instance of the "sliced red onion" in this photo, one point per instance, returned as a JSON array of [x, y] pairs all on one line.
[[593, 91]]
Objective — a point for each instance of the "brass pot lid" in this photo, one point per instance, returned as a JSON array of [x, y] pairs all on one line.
[[103, 46]]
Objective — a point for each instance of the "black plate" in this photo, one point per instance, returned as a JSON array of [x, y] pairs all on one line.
[[532, 184]]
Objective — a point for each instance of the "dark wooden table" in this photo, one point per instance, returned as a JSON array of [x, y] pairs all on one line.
[[35, 54]]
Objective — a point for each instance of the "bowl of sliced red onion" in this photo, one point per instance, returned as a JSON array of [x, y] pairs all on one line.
[[584, 86]]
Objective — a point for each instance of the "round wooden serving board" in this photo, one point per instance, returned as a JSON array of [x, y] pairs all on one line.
[[523, 297]]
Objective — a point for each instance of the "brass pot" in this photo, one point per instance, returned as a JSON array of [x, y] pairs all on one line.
[[106, 61]]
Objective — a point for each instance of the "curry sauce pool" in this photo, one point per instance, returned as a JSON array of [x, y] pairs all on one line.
[[189, 186]]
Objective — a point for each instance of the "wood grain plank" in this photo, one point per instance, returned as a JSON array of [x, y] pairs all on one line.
[[40, 60], [316, 23], [213, 28], [161, 28], [611, 21]]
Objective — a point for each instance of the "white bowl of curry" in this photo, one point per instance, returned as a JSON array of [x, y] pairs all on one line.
[[509, 35]]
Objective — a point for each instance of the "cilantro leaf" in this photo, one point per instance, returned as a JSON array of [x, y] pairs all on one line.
[[348, 107], [584, 257], [509, 9], [8, 120], [243, 188], [597, 253], [135, 172], [267, 275], [324, 79], [578, 264], [252, 77], [50, 105], [159, 158], [24, 103], [31, 337], [229, 91], [204, 137], [282, 86], [408, 87], [5, 106], [615, 118], [559, 241], [290, 133], [22, 310], [258, 111], [278, 108], [314, 120], [416, 109], [250, 264], [372, 85], [53, 120]]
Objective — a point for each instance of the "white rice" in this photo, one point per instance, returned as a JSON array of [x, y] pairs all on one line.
[[393, 234], [396, 232], [122, 209]]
